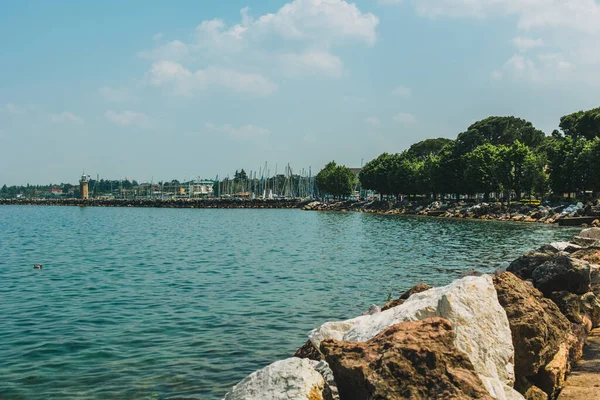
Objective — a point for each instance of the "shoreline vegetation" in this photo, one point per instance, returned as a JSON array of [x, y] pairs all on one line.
[[513, 335]]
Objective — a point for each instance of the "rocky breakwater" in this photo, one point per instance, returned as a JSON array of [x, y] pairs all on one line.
[[162, 203], [512, 335], [517, 212]]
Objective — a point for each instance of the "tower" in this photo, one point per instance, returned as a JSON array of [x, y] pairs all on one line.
[[83, 187]]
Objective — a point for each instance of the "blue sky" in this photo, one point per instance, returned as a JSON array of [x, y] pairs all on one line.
[[182, 89]]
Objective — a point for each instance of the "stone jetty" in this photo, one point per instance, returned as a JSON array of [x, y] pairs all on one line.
[[517, 334], [163, 203]]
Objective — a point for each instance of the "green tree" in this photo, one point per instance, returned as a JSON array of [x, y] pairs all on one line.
[[564, 164], [482, 170], [512, 167], [581, 124], [375, 174], [405, 174], [507, 130], [428, 147], [336, 180]]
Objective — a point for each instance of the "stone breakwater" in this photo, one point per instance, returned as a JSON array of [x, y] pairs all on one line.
[[162, 203], [588, 214], [512, 335]]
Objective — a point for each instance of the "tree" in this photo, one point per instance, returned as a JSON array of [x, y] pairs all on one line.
[[482, 170], [512, 167], [4, 190], [507, 130], [374, 174], [428, 147], [336, 180], [581, 124], [535, 179], [404, 174], [563, 165]]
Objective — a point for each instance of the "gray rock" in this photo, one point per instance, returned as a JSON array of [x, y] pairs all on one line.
[[592, 233], [562, 272]]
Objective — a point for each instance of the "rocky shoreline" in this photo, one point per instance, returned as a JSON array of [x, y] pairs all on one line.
[[589, 214], [512, 335]]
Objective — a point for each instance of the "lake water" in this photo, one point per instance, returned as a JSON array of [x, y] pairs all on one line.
[[183, 303]]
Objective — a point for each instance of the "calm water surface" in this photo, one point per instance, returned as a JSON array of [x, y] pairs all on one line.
[[183, 303]]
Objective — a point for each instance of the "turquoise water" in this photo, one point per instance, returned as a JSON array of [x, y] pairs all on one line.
[[183, 303]]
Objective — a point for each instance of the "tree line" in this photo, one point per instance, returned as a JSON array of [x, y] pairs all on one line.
[[504, 156]]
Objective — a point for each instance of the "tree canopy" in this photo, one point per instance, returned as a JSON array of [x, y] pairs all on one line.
[[336, 180]]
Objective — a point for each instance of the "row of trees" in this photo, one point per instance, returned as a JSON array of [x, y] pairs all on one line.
[[506, 156], [496, 155]]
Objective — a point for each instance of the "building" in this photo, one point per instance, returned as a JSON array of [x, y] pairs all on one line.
[[83, 187]]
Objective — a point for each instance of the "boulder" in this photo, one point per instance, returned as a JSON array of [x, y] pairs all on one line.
[[590, 306], [410, 360], [569, 304], [591, 233], [309, 351], [541, 334], [524, 266], [590, 254], [584, 241], [421, 287], [538, 327], [292, 378], [480, 325], [562, 272], [562, 246]]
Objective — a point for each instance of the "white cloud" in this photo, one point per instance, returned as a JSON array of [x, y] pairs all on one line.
[[387, 2], [117, 95], [248, 131], [405, 118], [128, 118], [183, 82], [174, 51], [568, 29], [296, 40], [13, 109], [312, 62], [402, 91], [373, 121], [157, 36], [525, 43], [65, 117]]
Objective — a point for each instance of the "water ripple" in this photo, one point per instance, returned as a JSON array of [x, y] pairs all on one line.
[[182, 304]]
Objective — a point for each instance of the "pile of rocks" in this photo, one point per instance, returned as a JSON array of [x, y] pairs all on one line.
[[514, 335], [493, 210]]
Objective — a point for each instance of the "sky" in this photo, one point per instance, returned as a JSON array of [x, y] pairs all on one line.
[[160, 90]]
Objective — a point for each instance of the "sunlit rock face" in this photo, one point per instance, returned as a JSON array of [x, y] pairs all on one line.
[[410, 360], [292, 378], [480, 324]]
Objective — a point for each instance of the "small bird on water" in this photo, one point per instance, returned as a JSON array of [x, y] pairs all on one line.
[[38, 266]]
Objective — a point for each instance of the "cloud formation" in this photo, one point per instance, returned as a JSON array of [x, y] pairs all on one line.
[[296, 40], [405, 118], [567, 33], [402, 91], [64, 118], [185, 82], [128, 118], [13, 109]]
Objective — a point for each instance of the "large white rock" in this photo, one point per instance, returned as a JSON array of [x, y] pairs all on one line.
[[289, 379], [480, 323]]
